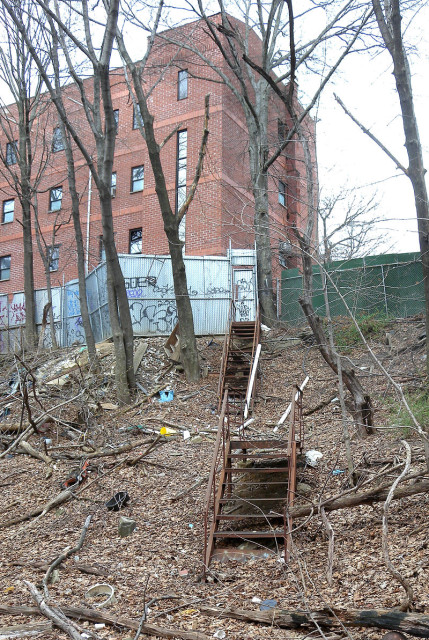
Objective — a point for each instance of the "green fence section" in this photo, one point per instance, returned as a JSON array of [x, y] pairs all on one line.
[[390, 284]]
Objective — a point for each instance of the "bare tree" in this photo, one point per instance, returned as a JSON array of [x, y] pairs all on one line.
[[250, 80], [348, 226], [362, 410], [389, 18], [172, 217], [24, 157], [95, 46]]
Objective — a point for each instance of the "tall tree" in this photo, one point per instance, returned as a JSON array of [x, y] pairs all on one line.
[[22, 126], [94, 45], [389, 20], [172, 217], [249, 81]]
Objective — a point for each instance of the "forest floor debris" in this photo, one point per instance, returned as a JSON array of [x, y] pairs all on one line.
[[165, 477]]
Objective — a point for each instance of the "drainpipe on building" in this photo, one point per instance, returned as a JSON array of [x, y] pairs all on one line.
[[88, 220]]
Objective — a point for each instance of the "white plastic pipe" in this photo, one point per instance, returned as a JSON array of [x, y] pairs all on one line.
[[252, 380], [288, 410]]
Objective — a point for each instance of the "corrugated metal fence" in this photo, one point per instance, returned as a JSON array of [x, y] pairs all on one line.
[[390, 285], [212, 281]]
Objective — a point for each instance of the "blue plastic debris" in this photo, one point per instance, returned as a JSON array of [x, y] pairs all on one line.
[[166, 396], [336, 472], [267, 604]]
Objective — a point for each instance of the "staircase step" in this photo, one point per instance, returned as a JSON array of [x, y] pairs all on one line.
[[250, 499], [258, 469], [249, 516], [258, 456], [258, 444], [271, 533]]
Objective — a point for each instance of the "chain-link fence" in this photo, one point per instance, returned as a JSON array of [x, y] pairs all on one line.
[[390, 285]]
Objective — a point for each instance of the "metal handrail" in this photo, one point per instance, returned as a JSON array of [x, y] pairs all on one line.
[[222, 437]]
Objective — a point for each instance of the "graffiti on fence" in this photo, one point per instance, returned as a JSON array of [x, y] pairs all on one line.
[[73, 303], [17, 313], [137, 287], [159, 316]]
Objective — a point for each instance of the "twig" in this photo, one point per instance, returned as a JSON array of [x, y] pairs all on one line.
[[57, 617], [406, 604], [185, 492], [64, 555], [330, 533]]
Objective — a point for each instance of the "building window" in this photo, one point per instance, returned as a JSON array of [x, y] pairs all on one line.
[[135, 243], [137, 118], [5, 268], [116, 118], [57, 140], [54, 258], [282, 193], [11, 154], [281, 131], [137, 178], [181, 170], [101, 249], [8, 210], [113, 185], [182, 84], [55, 199]]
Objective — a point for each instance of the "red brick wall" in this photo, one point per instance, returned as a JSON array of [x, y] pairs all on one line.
[[222, 212]]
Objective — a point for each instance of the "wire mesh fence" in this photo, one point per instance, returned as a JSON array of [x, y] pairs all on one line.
[[390, 285]]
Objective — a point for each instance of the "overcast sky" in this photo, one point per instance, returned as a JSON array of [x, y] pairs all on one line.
[[349, 159]]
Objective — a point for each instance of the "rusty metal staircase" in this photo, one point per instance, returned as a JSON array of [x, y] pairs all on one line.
[[241, 341], [252, 481]]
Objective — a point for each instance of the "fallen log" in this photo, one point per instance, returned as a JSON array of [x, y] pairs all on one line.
[[378, 494], [416, 624], [25, 630], [92, 615]]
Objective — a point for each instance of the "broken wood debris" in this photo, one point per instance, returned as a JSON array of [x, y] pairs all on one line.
[[92, 615]]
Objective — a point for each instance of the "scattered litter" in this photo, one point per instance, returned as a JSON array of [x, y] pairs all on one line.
[[109, 406], [191, 526], [118, 501], [265, 328], [126, 526], [77, 476], [183, 572], [336, 472], [312, 457], [256, 600], [220, 633], [99, 625], [9, 589], [186, 435], [335, 400], [101, 590], [166, 396], [166, 431], [267, 604]]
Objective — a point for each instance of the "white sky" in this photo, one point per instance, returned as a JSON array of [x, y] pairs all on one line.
[[349, 159]]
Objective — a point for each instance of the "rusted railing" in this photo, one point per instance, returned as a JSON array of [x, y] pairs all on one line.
[[296, 425], [215, 485]]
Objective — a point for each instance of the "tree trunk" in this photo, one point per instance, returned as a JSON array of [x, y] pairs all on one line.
[[30, 303], [392, 36], [416, 624], [188, 343], [363, 412], [51, 308], [84, 312], [119, 314], [379, 494]]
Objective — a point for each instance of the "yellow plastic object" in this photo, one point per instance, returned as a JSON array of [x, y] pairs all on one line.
[[166, 431]]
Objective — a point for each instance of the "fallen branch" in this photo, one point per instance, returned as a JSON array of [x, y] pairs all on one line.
[[378, 494], [64, 555], [64, 496], [92, 615], [137, 459], [406, 604], [416, 624], [53, 614], [25, 630], [103, 453], [185, 492]]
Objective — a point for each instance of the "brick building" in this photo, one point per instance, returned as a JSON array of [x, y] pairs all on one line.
[[221, 214]]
